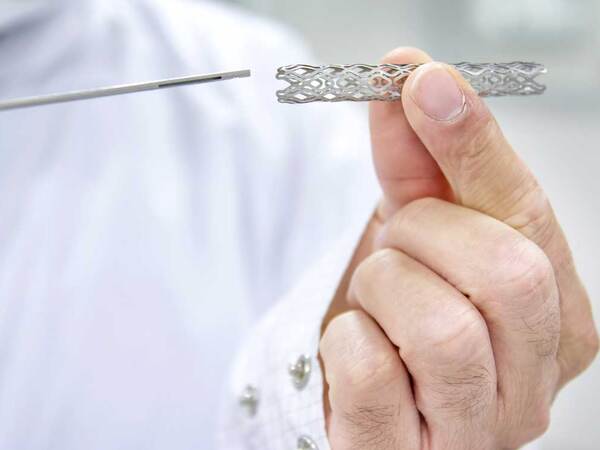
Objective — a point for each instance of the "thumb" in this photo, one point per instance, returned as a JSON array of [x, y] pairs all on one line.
[[405, 168]]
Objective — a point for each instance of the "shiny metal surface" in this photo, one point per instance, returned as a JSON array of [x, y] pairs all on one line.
[[300, 371], [120, 89], [364, 82]]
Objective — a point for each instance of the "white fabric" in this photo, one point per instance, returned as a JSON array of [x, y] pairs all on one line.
[[142, 236], [291, 329]]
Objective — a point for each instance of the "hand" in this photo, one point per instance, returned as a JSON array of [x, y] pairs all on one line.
[[469, 313]]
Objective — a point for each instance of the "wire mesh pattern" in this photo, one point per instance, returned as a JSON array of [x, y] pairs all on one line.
[[364, 82]]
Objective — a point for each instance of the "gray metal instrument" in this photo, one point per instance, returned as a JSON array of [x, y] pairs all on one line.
[[121, 89], [364, 82]]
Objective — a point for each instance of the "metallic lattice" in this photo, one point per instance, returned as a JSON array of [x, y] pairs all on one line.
[[362, 82]]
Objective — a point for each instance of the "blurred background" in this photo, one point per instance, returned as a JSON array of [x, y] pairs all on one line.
[[558, 134]]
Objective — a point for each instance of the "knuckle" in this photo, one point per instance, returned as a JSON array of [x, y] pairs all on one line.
[[338, 331], [410, 214], [333, 346], [523, 270], [523, 281], [452, 339], [352, 358], [464, 327], [371, 368], [535, 218], [373, 268]]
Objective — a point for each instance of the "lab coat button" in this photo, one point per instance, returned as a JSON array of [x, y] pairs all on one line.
[[306, 443], [300, 372], [249, 400]]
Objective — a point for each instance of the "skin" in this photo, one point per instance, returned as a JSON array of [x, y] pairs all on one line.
[[462, 314]]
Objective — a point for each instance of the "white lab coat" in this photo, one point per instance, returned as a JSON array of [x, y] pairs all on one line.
[[142, 236]]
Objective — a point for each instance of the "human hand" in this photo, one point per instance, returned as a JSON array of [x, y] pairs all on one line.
[[470, 315]]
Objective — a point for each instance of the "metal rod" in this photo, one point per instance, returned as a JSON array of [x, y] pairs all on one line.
[[120, 90]]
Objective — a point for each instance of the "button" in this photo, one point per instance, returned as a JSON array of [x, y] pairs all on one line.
[[306, 443], [249, 400], [300, 372]]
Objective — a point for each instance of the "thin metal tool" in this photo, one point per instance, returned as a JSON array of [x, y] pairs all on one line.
[[121, 89]]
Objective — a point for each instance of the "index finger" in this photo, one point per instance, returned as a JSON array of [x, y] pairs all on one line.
[[405, 169]]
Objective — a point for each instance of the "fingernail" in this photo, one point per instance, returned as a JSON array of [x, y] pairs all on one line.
[[438, 94]]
